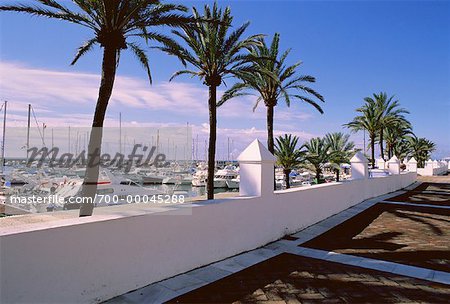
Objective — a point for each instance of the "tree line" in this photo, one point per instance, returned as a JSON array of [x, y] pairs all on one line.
[[381, 117]]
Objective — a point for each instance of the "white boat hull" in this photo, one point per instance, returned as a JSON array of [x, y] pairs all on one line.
[[220, 183], [233, 184]]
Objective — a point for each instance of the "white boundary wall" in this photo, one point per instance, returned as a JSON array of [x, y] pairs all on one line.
[[433, 168], [96, 258]]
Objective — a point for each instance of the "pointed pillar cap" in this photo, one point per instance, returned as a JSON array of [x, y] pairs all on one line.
[[256, 152], [393, 159], [359, 158], [412, 160]]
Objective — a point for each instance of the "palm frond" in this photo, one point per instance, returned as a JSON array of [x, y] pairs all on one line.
[[86, 47], [142, 57]]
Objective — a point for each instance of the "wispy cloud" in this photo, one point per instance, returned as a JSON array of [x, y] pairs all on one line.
[[47, 89], [68, 98]]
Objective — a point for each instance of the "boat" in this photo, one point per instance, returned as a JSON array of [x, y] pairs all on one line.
[[152, 179], [233, 183], [222, 176], [111, 190], [177, 180], [199, 178]]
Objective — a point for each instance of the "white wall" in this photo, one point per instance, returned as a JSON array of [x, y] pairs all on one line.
[[433, 169], [94, 259]]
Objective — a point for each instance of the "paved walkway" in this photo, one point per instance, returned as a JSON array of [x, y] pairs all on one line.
[[387, 249]]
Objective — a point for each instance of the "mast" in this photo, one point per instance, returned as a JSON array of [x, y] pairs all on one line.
[[69, 139], [28, 130], [120, 132], [168, 147], [205, 154], [157, 141], [228, 150], [187, 142], [4, 133], [44, 126], [364, 139], [196, 150]]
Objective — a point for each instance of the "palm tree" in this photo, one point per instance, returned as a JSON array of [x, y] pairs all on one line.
[[272, 80], [317, 153], [369, 120], [402, 148], [341, 150], [396, 133], [288, 156], [390, 115], [116, 25], [215, 54], [421, 148]]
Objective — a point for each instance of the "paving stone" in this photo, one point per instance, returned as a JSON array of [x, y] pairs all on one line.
[[230, 265], [411, 235], [181, 281], [293, 279], [209, 273]]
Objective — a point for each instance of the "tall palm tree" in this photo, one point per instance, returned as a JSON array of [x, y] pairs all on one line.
[[341, 149], [116, 26], [317, 153], [288, 155], [215, 53], [421, 149], [272, 80], [390, 115], [369, 120]]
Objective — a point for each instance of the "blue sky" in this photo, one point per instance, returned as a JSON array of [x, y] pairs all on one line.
[[353, 48]]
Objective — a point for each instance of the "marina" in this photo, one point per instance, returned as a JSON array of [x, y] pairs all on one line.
[[164, 151]]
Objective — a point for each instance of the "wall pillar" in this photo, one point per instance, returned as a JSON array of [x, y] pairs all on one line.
[[394, 165], [256, 168], [381, 163], [359, 166], [412, 165]]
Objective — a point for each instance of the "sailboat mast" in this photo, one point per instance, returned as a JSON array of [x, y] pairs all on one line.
[[157, 141], [364, 139], [4, 133], [228, 149], [28, 131], [120, 132], [69, 139], [196, 150]]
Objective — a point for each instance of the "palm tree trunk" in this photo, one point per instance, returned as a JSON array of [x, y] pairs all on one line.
[[318, 171], [286, 177], [270, 143], [89, 188], [381, 144], [337, 175], [212, 140], [372, 147]]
